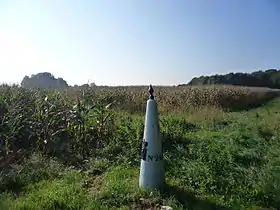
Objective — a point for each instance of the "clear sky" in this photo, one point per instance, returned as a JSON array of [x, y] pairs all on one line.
[[137, 42]]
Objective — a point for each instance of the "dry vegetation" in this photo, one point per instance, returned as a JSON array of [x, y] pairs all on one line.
[[177, 99]]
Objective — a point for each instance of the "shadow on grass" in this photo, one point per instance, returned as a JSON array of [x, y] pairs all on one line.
[[189, 200], [254, 100]]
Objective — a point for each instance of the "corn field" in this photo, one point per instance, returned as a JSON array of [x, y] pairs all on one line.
[[50, 122], [79, 122], [231, 98]]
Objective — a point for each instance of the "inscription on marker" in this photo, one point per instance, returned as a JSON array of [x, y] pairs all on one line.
[[155, 158]]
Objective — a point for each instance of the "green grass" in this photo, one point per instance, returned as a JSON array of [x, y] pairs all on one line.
[[213, 160]]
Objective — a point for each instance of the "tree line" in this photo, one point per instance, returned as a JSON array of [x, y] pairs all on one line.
[[269, 78]]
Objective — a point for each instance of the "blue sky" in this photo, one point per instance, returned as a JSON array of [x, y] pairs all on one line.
[[137, 42]]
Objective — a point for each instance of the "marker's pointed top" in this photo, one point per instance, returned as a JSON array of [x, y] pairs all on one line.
[[151, 91]]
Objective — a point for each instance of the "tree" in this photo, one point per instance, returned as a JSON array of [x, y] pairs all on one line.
[[44, 80]]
